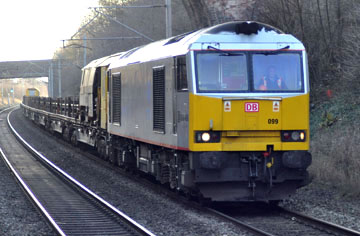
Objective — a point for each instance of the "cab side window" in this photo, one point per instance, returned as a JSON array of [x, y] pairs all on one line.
[[181, 76]]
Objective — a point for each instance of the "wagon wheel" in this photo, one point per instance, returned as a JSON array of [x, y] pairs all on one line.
[[73, 139], [51, 128], [66, 134]]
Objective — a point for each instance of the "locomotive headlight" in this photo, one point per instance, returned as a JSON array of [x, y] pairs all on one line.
[[302, 135], [205, 137], [293, 136]]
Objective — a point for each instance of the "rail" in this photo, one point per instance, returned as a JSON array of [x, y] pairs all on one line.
[[84, 204], [273, 221]]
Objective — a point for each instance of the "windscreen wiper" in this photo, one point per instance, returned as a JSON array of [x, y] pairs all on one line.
[[276, 51], [224, 53]]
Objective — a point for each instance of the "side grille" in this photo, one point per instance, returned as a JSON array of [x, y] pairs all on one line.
[[159, 99], [116, 92]]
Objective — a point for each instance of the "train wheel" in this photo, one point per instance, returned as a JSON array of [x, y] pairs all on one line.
[[204, 202], [119, 161], [101, 149], [188, 195], [112, 158], [274, 203]]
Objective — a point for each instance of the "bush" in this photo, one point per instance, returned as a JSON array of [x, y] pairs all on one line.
[[336, 159]]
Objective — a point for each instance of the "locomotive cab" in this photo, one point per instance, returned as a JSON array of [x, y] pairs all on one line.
[[249, 114]]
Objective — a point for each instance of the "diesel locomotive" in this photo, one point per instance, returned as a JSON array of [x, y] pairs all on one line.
[[32, 92], [221, 113]]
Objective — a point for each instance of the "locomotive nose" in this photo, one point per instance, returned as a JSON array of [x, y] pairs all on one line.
[[252, 114]]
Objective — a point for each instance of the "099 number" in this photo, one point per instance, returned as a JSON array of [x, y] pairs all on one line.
[[273, 121]]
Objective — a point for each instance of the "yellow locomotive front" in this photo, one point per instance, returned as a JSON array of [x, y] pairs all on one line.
[[249, 118], [32, 92]]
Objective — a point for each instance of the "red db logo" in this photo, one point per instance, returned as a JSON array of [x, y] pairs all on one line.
[[251, 107]]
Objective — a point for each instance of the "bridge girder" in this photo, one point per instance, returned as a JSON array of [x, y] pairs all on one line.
[[25, 69], [31, 69]]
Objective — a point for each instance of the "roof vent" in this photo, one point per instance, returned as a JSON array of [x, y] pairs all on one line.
[[247, 28], [242, 27]]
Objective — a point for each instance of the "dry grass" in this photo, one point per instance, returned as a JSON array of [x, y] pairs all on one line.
[[336, 158]]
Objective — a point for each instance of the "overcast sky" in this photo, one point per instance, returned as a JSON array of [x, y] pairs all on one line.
[[33, 29]]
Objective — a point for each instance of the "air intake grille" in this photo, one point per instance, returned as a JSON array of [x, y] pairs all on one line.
[[159, 99], [116, 92]]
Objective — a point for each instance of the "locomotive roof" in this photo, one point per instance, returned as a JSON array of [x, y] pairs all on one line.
[[103, 61], [243, 34], [32, 88]]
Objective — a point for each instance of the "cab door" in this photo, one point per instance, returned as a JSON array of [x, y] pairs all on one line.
[[181, 101]]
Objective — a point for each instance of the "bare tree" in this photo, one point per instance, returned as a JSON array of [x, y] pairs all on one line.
[[105, 24], [320, 24], [198, 12]]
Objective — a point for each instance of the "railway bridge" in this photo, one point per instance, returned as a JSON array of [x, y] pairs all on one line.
[[33, 69]]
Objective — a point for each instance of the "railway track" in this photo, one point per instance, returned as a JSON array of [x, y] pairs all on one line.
[[69, 207], [267, 220]]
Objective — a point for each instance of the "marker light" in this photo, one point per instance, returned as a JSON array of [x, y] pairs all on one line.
[[205, 137], [286, 135]]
